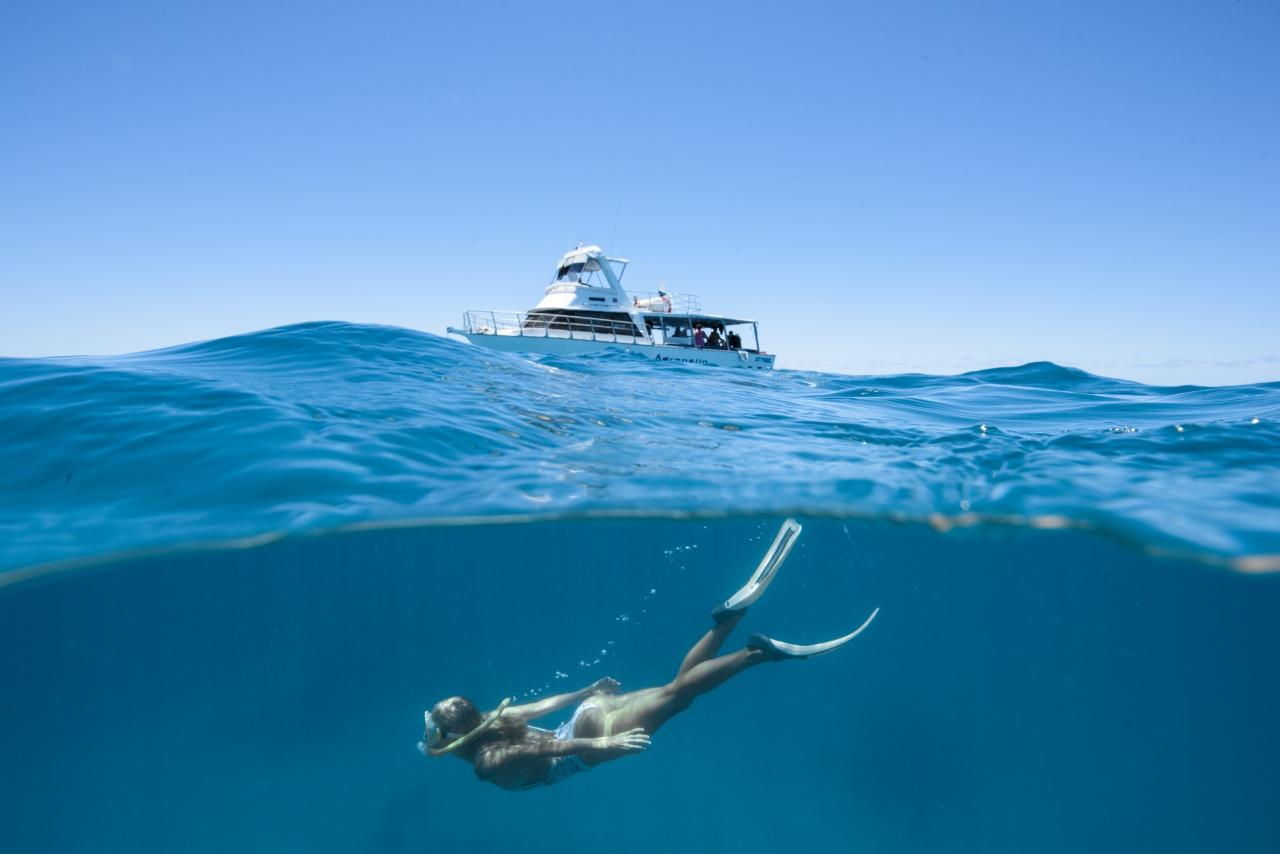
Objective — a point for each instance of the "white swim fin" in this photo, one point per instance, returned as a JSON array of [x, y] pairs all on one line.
[[781, 649], [760, 579]]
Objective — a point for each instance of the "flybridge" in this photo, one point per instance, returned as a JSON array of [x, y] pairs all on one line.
[[586, 278], [585, 309]]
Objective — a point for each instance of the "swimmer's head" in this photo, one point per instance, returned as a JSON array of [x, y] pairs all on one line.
[[455, 716], [455, 722]]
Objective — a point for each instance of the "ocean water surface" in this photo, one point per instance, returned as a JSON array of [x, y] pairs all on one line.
[[234, 573]]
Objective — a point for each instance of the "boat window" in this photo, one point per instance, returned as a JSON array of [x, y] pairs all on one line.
[[586, 272], [569, 272], [579, 320], [591, 274]]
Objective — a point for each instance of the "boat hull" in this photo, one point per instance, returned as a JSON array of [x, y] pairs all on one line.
[[567, 346]]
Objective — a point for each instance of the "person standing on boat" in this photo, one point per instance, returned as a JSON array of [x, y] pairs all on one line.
[[506, 751], [699, 337]]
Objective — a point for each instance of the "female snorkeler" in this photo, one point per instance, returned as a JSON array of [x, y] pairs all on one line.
[[508, 752]]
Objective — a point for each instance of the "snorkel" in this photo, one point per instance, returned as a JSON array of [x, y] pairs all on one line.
[[434, 736]]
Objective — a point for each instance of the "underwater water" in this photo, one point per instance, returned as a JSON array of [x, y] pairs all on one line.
[[233, 574]]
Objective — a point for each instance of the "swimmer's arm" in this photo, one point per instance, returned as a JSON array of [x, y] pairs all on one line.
[[490, 763], [530, 711], [604, 747], [547, 705]]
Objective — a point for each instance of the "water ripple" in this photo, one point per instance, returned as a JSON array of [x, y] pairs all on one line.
[[323, 425]]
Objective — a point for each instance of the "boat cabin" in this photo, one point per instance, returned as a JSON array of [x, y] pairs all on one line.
[[586, 295]]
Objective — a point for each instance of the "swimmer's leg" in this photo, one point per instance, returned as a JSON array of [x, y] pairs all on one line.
[[709, 645], [729, 613], [650, 708]]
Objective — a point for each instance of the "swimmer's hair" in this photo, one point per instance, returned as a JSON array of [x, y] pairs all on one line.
[[458, 716]]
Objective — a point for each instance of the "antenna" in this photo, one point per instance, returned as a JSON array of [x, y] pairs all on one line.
[[617, 210]]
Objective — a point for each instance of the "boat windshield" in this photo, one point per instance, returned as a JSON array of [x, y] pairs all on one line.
[[584, 271]]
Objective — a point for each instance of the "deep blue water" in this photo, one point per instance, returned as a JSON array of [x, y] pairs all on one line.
[[1077, 648]]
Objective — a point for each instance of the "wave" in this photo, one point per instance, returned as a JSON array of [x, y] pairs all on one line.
[[324, 426]]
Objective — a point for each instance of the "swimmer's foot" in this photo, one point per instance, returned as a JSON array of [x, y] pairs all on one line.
[[777, 650], [738, 603]]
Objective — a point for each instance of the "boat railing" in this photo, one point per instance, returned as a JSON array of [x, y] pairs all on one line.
[[666, 303], [545, 325]]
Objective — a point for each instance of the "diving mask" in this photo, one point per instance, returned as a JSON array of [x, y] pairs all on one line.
[[432, 735]]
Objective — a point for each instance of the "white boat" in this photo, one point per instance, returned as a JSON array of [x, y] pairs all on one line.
[[585, 310]]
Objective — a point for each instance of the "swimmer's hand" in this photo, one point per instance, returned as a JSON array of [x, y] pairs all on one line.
[[607, 685], [631, 741]]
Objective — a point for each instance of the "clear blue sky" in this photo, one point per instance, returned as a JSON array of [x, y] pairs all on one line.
[[887, 187]]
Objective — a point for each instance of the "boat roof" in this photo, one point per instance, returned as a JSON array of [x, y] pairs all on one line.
[[583, 253]]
